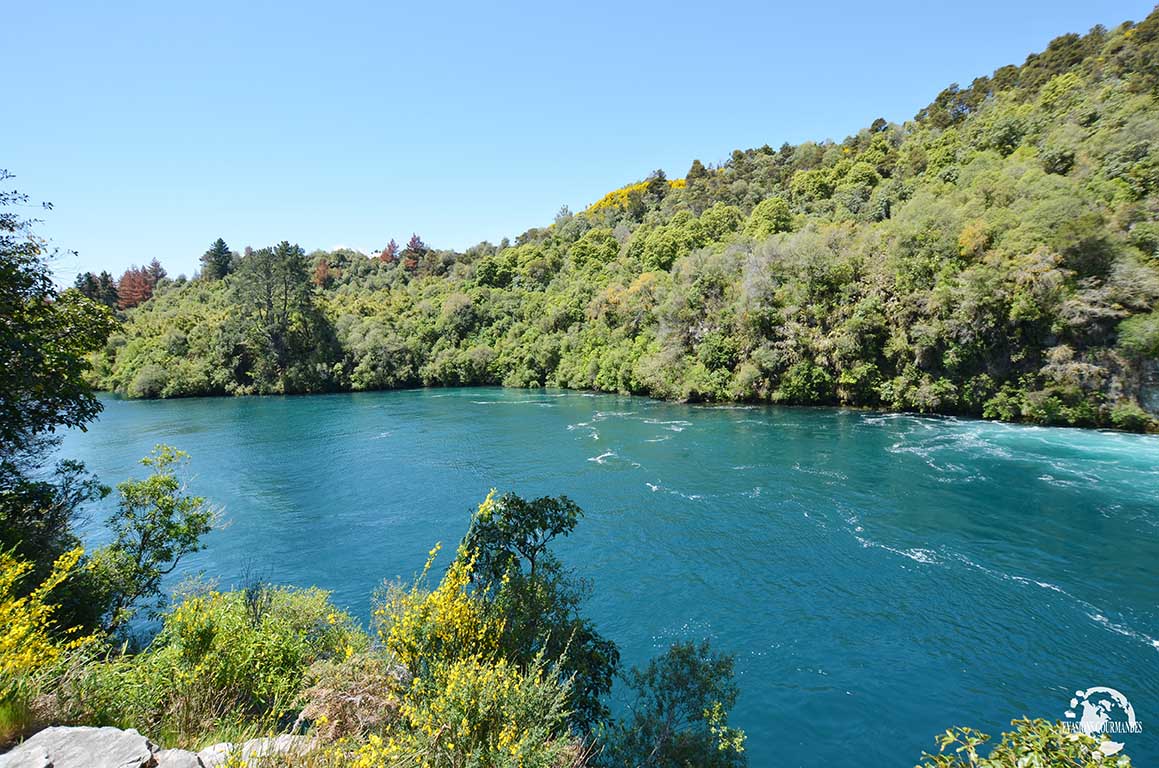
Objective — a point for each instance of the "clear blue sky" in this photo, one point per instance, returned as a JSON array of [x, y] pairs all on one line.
[[155, 129]]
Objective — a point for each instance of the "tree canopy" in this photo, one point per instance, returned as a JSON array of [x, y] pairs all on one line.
[[997, 255]]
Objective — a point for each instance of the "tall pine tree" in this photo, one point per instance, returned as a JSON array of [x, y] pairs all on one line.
[[217, 261], [107, 290], [86, 283], [156, 272]]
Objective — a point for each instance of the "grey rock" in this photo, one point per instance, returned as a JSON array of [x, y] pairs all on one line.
[[177, 758], [211, 757], [286, 744], [82, 747], [113, 748], [1149, 387], [33, 757]]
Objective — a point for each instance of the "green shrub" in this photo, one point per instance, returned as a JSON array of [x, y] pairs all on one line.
[[149, 382], [1139, 336], [720, 221], [680, 713], [768, 218], [1035, 743], [1005, 406], [1130, 417], [219, 659], [1060, 406], [804, 382]]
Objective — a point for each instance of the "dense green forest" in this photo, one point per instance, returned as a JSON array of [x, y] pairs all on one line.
[[493, 664], [996, 256]]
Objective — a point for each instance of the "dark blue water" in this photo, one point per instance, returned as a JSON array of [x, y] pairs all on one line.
[[879, 578]]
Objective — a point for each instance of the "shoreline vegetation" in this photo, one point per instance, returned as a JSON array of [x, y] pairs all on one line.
[[996, 256], [706, 404], [491, 664]]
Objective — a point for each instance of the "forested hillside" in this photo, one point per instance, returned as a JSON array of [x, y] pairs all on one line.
[[997, 256]]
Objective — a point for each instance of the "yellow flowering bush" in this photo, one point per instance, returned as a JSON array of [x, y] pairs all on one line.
[[618, 199], [29, 641], [474, 712], [467, 705], [424, 628]]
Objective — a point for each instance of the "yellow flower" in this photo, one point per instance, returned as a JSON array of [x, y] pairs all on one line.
[[27, 644]]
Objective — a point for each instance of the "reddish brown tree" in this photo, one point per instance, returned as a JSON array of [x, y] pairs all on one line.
[[135, 287], [415, 250], [389, 254], [323, 276]]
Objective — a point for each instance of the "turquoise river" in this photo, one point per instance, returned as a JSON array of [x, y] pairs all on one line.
[[878, 577]]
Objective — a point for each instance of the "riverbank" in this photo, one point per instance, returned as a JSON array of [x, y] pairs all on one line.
[[1147, 427]]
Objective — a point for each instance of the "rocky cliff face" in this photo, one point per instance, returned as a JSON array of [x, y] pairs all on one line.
[[1149, 387], [85, 747]]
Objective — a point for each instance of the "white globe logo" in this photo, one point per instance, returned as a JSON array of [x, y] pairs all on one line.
[[1099, 706]]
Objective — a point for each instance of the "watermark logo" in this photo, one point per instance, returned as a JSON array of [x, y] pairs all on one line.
[[1102, 710]]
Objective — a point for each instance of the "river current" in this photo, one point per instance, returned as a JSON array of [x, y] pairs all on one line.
[[878, 577]]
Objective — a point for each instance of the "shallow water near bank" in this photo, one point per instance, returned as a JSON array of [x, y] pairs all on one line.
[[879, 577]]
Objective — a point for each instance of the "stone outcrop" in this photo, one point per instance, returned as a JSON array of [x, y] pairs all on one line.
[[211, 757], [84, 747], [88, 747], [1149, 387], [177, 758]]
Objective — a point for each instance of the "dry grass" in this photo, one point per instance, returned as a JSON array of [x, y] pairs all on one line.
[[352, 697]]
